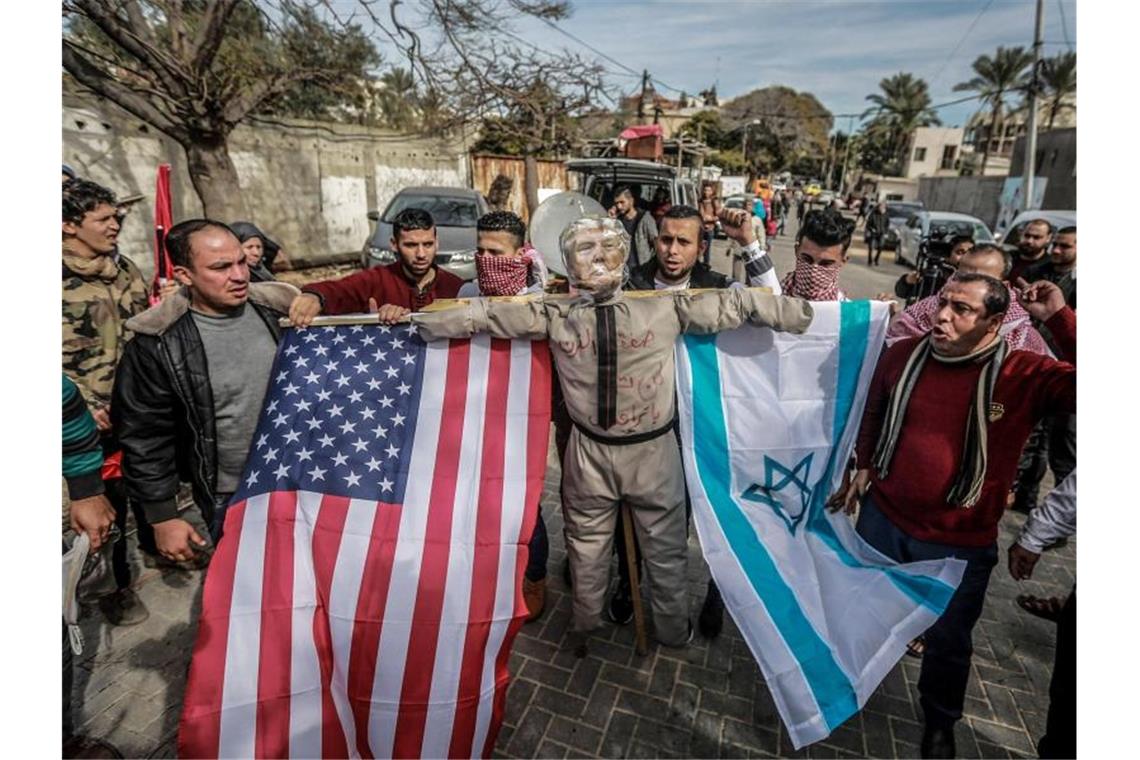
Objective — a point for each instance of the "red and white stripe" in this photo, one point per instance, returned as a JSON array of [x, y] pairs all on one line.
[[343, 628]]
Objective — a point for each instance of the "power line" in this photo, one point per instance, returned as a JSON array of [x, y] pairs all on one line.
[[611, 59], [969, 29], [582, 42]]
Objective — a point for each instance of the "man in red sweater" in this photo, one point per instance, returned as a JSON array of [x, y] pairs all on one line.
[[947, 415], [412, 282]]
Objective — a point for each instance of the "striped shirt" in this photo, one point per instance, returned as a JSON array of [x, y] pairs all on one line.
[[82, 454]]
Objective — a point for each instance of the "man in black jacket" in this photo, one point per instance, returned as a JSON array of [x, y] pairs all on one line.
[[875, 232], [190, 386], [678, 265]]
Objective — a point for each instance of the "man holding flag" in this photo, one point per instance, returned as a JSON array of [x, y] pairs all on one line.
[[946, 417]]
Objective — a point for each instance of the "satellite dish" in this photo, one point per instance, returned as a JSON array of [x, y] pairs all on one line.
[[551, 217]]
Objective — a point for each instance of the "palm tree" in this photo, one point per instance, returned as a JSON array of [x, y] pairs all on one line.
[[901, 107], [397, 99], [1059, 83], [996, 79]]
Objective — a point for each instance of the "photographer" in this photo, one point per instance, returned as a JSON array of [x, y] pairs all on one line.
[[937, 260]]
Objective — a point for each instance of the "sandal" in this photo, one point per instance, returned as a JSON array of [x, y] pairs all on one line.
[[1045, 608], [916, 647]]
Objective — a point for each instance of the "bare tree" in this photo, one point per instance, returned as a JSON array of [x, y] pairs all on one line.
[[195, 69], [478, 69]]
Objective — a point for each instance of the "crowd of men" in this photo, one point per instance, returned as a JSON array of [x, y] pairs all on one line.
[[172, 382]]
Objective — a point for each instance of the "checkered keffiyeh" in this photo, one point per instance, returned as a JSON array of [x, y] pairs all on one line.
[[1017, 327], [509, 275], [812, 282]]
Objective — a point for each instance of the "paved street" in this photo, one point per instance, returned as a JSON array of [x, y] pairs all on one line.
[[708, 700]]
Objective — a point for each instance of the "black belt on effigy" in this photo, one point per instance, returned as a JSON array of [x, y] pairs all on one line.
[[625, 440]]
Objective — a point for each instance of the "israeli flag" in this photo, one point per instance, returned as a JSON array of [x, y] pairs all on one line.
[[768, 422]]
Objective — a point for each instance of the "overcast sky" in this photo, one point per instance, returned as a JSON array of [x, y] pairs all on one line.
[[838, 50]]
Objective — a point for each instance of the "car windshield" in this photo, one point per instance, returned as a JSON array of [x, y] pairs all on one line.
[[953, 227], [902, 211], [446, 210]]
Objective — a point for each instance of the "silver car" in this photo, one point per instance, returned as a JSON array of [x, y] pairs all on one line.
[[455, 210], [919, 226]]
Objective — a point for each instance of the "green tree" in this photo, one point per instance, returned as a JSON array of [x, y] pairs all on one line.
[[398, 99], [902, 106], [1059, 83], [195, 69], [997, 79]]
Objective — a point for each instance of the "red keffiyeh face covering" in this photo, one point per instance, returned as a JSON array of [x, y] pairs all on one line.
[[501, 275], [813, 282]]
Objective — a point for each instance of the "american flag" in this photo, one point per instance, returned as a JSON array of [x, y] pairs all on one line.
[[363, 599]]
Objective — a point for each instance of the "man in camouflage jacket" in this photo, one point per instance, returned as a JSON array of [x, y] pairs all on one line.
[[101, 291]]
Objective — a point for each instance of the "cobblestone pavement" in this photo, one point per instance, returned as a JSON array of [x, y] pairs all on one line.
[[707, 700]]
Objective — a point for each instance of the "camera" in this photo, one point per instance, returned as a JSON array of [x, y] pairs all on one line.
[[933, 269]]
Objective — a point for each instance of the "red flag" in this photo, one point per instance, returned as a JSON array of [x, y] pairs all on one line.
[[364, 597], [163, 221]]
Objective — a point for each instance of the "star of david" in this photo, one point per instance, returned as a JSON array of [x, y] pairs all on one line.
[[777, 477]]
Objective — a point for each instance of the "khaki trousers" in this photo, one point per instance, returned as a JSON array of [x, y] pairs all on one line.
[[596, 478]]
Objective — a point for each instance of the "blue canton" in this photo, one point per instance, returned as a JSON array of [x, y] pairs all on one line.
[[340, 414]]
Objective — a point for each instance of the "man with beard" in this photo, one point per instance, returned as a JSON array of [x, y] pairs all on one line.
[[1032, 248], [937, 452], [412, 281], [614, 357], [821, 251], [679, 265], [1054, 442], [1016, 327]]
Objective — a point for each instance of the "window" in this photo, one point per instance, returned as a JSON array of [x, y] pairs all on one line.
[[948, 154], [920, 154]]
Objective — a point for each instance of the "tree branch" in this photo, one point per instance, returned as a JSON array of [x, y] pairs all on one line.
[[168, 74], [211, 31], [104, 84]]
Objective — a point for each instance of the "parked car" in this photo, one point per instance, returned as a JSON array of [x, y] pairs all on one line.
[[599, 177], [455, 211], [899, 212], [1058, 219], [920, 224]]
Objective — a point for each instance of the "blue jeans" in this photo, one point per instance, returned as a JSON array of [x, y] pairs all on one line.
[[949, 642]]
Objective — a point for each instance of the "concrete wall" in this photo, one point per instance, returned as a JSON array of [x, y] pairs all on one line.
[[308, 185], [977, 196], [1057, 161]]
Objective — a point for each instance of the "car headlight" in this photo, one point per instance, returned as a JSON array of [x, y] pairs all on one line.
[[382, 255], [461, 257]]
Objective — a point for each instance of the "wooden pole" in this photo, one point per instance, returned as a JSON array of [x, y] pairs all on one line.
[[642, 643]]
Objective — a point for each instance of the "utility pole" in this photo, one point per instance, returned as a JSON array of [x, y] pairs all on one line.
[[1031, 133], [846, 152], [644, 90]]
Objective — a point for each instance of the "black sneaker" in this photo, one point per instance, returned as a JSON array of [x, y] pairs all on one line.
[[711, 620], [620, 608], [123, 608]]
